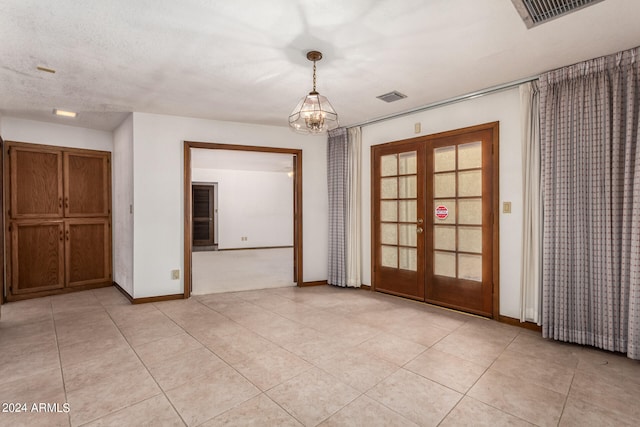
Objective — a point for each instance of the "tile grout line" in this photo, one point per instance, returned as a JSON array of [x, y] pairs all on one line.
[[566, 398], [104, 307], [145, 367], [215, 354], [64, 385], [482, 375], [313, 365], [401, 367], [387, 376]]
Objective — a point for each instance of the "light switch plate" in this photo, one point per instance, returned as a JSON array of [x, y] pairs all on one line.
[[506, 207]]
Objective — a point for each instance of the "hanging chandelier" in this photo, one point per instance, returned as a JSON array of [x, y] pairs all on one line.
[[313, 114]]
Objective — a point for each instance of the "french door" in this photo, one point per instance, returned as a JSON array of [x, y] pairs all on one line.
[[433, 221], [399, 217]]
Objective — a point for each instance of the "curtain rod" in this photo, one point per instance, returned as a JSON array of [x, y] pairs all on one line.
[[477, 94]]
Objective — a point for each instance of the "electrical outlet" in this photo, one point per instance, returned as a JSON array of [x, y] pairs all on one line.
[[417, 128], [175, 274]]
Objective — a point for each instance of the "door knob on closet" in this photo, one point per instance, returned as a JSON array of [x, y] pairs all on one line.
[[419, 230]]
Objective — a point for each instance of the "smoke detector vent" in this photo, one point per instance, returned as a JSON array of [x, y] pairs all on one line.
[[392, 96], [536, 12]]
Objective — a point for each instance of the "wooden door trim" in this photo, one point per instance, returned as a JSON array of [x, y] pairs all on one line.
[[297, 232], [494, 127]]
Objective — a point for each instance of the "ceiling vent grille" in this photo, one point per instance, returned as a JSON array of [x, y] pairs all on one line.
[[392, 96], [536, 12]]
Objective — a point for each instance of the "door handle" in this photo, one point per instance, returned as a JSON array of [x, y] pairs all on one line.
[[67, 235], [66, 202], [61, 233], [419, 230]]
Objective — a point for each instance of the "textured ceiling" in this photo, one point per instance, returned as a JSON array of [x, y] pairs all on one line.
[[244, 60]]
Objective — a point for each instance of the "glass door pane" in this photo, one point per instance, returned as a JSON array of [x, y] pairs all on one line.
[[398, 210], [457, 201]]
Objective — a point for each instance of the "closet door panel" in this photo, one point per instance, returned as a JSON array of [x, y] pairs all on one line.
[[86, 185], [37, 256], [36, 183], [88, 251]]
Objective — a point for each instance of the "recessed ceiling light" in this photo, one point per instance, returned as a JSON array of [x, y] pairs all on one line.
[[45, 69], [64, 113]]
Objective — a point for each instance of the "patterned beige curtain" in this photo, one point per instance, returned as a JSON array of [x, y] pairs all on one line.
[[337, 180], [343, 178], [590, 119]]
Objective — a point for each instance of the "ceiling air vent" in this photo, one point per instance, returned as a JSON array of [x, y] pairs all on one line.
[[392, 96], [536, 12]]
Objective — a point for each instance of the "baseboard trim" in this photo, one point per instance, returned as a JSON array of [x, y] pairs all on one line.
[[123, 292], [52, 292], [516, 322], [316, 283], [160, 298], [146, 300], [255, 248]]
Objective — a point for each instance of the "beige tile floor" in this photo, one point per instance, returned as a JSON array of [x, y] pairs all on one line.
[[297, 356], [238, 270]]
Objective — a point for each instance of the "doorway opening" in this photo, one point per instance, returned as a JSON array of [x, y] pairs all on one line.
[[243, 206]]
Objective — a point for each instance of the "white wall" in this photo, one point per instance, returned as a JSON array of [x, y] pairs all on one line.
[[22, 130], [158, 193], [254, 204], [122, 203], [503, 107]]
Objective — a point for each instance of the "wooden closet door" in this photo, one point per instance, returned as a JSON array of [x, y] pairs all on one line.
[[36, 183], [37, 256], [88, 251], [86, 185]]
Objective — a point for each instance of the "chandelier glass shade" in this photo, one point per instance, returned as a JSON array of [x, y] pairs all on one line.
[[314, 113]]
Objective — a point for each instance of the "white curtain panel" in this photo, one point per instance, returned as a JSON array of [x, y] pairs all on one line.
[[354, 209], [531, 273]]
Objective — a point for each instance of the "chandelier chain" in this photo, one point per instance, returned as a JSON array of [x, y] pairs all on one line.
[[314, 76]]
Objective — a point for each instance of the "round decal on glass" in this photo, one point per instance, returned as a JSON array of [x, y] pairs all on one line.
[[442, 212]]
